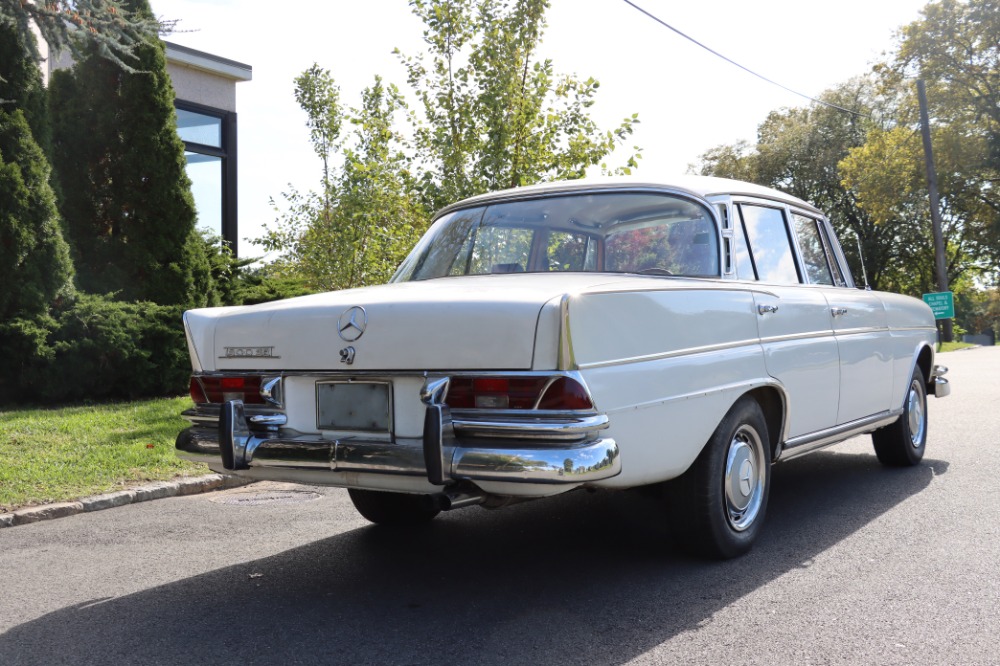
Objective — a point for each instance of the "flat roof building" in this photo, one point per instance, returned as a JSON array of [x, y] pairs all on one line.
[[205, 89]]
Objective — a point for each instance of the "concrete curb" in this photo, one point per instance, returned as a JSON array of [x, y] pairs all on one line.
[[184, 486]]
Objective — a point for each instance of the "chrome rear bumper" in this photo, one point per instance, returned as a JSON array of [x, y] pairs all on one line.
[[940, 386], [439, 456]]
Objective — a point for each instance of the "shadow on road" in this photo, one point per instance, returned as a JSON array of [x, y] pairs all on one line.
[[576, 579]]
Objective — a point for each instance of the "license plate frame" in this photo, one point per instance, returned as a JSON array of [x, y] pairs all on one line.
[[354, 406]]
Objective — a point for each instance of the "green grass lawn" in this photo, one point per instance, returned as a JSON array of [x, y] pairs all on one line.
[[51, 455], [954, 346]]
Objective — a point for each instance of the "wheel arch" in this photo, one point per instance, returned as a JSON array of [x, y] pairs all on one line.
[[773, 403], [925, 361]]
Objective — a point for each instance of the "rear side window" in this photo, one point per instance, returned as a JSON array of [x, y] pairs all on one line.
[[770, 244], [814, 256], [838, 276]]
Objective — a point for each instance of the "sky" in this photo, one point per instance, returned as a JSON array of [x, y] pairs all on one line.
[[688, 100]]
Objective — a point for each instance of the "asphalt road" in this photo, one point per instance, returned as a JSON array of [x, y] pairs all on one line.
[[858, 565]]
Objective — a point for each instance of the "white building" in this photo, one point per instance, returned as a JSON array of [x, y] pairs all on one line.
[[205, 88]]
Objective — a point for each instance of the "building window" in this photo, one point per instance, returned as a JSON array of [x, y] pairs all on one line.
[[209, 137]]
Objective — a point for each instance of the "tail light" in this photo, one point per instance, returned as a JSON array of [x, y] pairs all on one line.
[[219, 389], [555, 393]]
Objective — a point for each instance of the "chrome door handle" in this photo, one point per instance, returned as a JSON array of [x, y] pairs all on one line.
[[764, 309], [837, 312]]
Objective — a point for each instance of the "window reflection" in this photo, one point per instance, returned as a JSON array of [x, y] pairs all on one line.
[[813, 252], [770, 244], [205, 172], [622, 232], [199, 128]]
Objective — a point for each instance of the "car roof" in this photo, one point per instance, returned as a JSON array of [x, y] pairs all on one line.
[[699, 186]]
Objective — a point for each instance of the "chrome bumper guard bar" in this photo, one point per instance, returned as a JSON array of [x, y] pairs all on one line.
[[537, 451], [941, 387]]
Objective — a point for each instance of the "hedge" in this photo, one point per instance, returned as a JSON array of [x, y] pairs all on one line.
[[94, 348]]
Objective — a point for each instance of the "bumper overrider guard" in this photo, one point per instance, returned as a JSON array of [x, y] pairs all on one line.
[[563, 450], [939, 385]]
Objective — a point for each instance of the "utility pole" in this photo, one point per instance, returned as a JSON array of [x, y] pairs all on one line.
[[932, 186]]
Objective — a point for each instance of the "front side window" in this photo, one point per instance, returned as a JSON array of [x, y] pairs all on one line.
[[770, 244], [630, 232]]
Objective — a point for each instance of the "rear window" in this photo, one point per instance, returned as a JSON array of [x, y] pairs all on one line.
[[630, 232]]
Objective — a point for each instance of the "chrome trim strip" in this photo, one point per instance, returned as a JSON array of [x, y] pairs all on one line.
[[541, 394], [742, 387], [389, 375], [270, 420], [710, 284], [671, 354], [810, 442], [567, 359], [797, 336], [190, 341], [532, 428], [913, 328], [860, 330]]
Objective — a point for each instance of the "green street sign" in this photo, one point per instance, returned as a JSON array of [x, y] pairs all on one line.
[[942, 304]]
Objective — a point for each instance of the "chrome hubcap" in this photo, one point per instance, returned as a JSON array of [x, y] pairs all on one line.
[[915, 415], [745, 477]]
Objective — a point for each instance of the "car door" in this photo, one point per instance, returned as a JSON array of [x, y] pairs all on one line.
[[859, 323], [793, 321]]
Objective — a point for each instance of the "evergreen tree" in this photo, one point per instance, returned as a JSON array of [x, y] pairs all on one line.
[[21, 83], [127, 200], [107, 26], [35, 257]]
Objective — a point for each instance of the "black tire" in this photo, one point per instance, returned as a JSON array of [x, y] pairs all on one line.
[[717, 506], [384, 508], [902, 443]]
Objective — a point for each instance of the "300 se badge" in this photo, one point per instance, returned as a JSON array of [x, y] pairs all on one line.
[[249, 352], [685, 334]]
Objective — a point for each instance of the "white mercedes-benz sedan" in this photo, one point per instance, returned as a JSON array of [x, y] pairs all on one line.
[[683, 334]]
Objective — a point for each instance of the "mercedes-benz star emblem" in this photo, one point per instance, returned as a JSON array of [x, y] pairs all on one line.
[[352, 323]]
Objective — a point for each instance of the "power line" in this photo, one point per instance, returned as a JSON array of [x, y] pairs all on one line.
[[733, 62]]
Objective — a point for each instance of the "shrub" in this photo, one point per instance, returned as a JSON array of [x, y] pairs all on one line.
[[95, 348]]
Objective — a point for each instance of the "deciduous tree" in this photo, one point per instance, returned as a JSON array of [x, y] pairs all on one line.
[[491, 114], [368, 214], [495, 113]]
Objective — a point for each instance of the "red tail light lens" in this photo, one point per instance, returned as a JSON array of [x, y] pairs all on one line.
[[197, 392], [565, 393], [216, 389], [517, 393]]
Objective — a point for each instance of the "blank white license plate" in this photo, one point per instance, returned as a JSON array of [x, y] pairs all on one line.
[[353, 406]]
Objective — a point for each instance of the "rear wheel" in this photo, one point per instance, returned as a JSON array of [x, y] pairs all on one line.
[[385, 508], [717, 507], [902, 444]]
